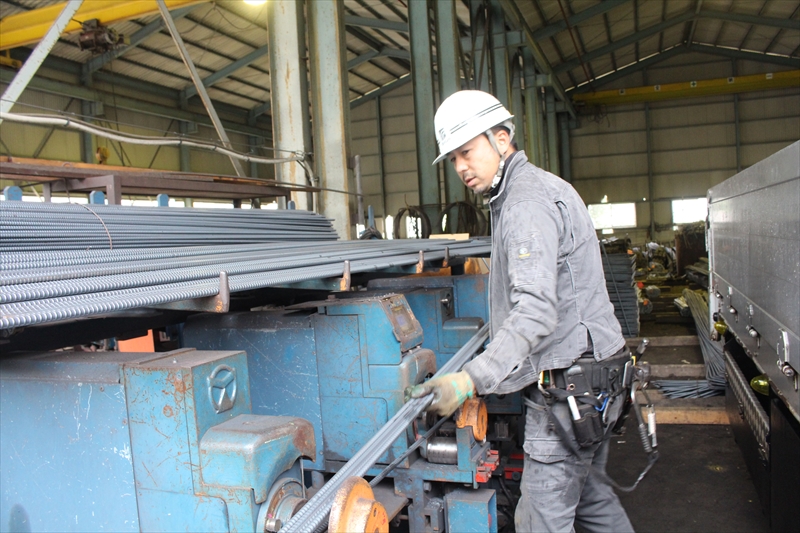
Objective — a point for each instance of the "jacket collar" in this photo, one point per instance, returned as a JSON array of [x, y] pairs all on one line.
[[518, 159]]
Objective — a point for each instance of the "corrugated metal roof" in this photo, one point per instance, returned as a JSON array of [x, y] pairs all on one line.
[[619, 34]]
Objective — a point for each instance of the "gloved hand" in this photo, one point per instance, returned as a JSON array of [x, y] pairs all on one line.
[[449, 392]]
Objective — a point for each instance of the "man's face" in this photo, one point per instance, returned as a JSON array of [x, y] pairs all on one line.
[[476, 161]]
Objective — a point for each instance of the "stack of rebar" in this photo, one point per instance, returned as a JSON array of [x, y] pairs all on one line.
[[619, 269], [30, 226], [715, 382], [38, 287]]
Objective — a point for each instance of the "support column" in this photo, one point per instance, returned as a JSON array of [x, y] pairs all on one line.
[[87, 139], [186, 165], [501, 86], [480, 64], [254, 142], [421, 69], [650, 180], [331, 111], [737, 130], [381, 170], [516, 103], [447, 46], [289, 101], [533, 112], [566, 167], [552, 131]]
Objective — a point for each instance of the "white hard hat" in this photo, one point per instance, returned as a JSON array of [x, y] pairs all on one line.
[[465, 115]]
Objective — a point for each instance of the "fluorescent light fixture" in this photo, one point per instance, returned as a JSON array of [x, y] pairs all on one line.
[[255, 2]]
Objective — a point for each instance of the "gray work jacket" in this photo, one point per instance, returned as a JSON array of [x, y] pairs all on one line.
[[547, 290]]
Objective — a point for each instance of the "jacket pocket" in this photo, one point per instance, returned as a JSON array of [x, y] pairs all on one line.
[[523, 260]]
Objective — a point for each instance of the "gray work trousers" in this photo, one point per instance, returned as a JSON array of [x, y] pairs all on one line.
[[558, 488]]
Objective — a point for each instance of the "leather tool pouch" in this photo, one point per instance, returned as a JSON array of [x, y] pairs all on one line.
[[588, 428]]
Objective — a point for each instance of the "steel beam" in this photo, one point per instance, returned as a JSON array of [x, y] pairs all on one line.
[[515, 17], [447, 63], [285, 25], [186, 161], [223, 73], [123, 102], [598, 9], [331, 113], [566, 166], [363, 58], [379, 24], [421, 69], [786, 23], [87, 139], [29, 27], [630, 69], [480, 54], [187, 60], [693, 89], [552, 131], [98, 62], [785, 61], [533, 112], [517, 108], [37, 57], [500, 79], [625, 41], [391, 86], [736, 128]]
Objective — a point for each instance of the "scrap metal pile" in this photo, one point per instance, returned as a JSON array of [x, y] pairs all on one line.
[[66, 273]]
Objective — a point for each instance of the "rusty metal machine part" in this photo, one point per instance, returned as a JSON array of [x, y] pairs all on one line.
[[473, 413], [285, 498], [355, 509]]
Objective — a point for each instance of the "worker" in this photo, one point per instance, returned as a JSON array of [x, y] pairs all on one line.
[[554, 335]]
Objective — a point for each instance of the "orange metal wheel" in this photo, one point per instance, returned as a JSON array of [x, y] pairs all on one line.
[[355, 509]]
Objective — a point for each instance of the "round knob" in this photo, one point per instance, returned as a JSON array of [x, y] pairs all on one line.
[[787, 371], [732, 311], [753, 333]]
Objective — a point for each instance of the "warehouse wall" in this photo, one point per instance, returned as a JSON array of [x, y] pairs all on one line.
[[693, 141], [395, 175], [23, 140]]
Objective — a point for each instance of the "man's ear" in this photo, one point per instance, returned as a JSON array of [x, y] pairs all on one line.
[[502, 138]]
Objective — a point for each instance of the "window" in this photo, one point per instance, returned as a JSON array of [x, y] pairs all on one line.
[[689, 210], [607, 216]]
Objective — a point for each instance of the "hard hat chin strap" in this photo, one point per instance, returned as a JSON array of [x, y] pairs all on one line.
[[499, 175]]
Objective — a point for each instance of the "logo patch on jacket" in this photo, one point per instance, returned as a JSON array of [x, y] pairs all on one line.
[[524, 253]]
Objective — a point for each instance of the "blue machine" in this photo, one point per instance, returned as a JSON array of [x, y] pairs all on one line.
[[344, 365], [220, 435], [112, 441]]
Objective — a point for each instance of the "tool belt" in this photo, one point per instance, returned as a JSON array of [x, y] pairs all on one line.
[[588, 386]]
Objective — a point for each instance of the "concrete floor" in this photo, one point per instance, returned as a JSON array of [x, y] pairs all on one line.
[[700, 482]]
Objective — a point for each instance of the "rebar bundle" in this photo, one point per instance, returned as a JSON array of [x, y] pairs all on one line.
[[43, 287], [33, 226], [715, 381], [619, 269]]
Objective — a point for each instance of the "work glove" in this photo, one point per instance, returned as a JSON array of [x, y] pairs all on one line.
[[449, 392]]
